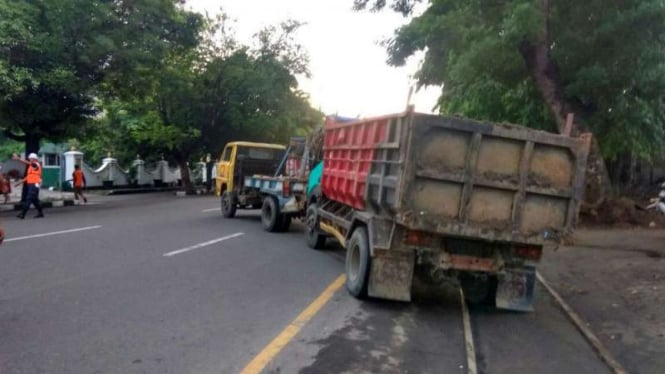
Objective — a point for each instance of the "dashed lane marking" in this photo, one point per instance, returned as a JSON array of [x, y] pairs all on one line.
[[204, 244], [261, 360], [210, 210], [52, 233]]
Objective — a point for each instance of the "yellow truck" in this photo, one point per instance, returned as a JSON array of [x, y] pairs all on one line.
[[267, 176], [240, 159]]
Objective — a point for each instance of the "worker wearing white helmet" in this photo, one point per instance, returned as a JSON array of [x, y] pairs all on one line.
[[33, 180]]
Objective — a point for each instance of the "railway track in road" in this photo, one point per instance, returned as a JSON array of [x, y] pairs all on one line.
[[475, 340], [553, 338]]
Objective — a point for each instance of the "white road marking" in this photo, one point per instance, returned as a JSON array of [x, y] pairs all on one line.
[[52, 233], [600, 349], [204, 244], [210, 210], [468, 337]]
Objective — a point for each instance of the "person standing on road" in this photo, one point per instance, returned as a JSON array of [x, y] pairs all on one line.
[[33, 181], [78, 179]]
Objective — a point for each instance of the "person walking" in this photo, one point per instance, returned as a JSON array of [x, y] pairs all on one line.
[[33, 181], [78, 179]]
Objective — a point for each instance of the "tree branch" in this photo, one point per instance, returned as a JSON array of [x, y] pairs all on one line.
[[19, 138]]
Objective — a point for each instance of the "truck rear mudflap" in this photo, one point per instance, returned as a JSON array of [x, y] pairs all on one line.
[[515, 289], [391, 274]]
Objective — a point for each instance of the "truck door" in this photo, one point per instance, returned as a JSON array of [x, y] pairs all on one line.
[[225, 169]]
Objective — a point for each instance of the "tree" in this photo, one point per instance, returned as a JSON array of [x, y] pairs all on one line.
[[199, 99], [57, 56], [164, 121], [535, 61], [252, 93]]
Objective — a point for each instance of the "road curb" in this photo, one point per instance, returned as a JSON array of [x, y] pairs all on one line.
[[140, 190], [45, 204]]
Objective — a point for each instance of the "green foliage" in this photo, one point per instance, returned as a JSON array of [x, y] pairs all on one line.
[[253, 98], [57, 55], [8, 147], [202, 98], [608, 58], [145, 77]]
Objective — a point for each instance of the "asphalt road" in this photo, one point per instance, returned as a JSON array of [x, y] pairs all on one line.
[[161, 284]]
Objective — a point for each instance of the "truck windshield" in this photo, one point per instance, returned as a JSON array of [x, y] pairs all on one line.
[[261, 153]]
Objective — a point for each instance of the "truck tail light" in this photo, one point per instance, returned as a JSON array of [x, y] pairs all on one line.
[[529, 252], [419, 238], [286, 188]]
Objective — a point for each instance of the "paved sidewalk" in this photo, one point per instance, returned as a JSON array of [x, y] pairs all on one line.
[[48, 198]]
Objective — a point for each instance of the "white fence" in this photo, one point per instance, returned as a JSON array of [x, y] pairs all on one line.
[[111, 174]]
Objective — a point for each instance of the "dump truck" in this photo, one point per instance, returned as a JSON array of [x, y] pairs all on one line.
[[433, 198]]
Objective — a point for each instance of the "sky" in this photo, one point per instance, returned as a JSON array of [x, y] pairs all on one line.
[[349, 74]]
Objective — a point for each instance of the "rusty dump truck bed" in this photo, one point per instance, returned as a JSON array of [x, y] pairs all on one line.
[[457, 177]]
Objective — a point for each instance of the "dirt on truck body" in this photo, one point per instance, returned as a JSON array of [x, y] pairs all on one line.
[[446, 198]]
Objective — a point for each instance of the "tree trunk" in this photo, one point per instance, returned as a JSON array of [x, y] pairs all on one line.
[[544, 72], [32, 144]]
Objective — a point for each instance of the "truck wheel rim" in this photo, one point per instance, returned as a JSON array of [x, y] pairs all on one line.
[[310, 222], [267, 212], [226, 203]]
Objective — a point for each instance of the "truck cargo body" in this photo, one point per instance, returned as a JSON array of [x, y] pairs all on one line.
[[472, 200]]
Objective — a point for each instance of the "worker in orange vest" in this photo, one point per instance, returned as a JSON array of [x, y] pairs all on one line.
[[79, 182], [33, 181]]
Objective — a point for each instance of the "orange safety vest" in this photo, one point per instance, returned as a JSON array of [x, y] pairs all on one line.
[[78, 178], [34, 174]]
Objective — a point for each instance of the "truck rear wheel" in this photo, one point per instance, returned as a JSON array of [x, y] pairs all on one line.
[[228, 205], [358, 263], [271, 218], [315, 239], [479, 289]]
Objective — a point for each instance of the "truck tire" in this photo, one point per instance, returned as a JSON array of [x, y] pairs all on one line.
[[271, 218], [479, 290], [358, 263], [228, 205], [315, 239]]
